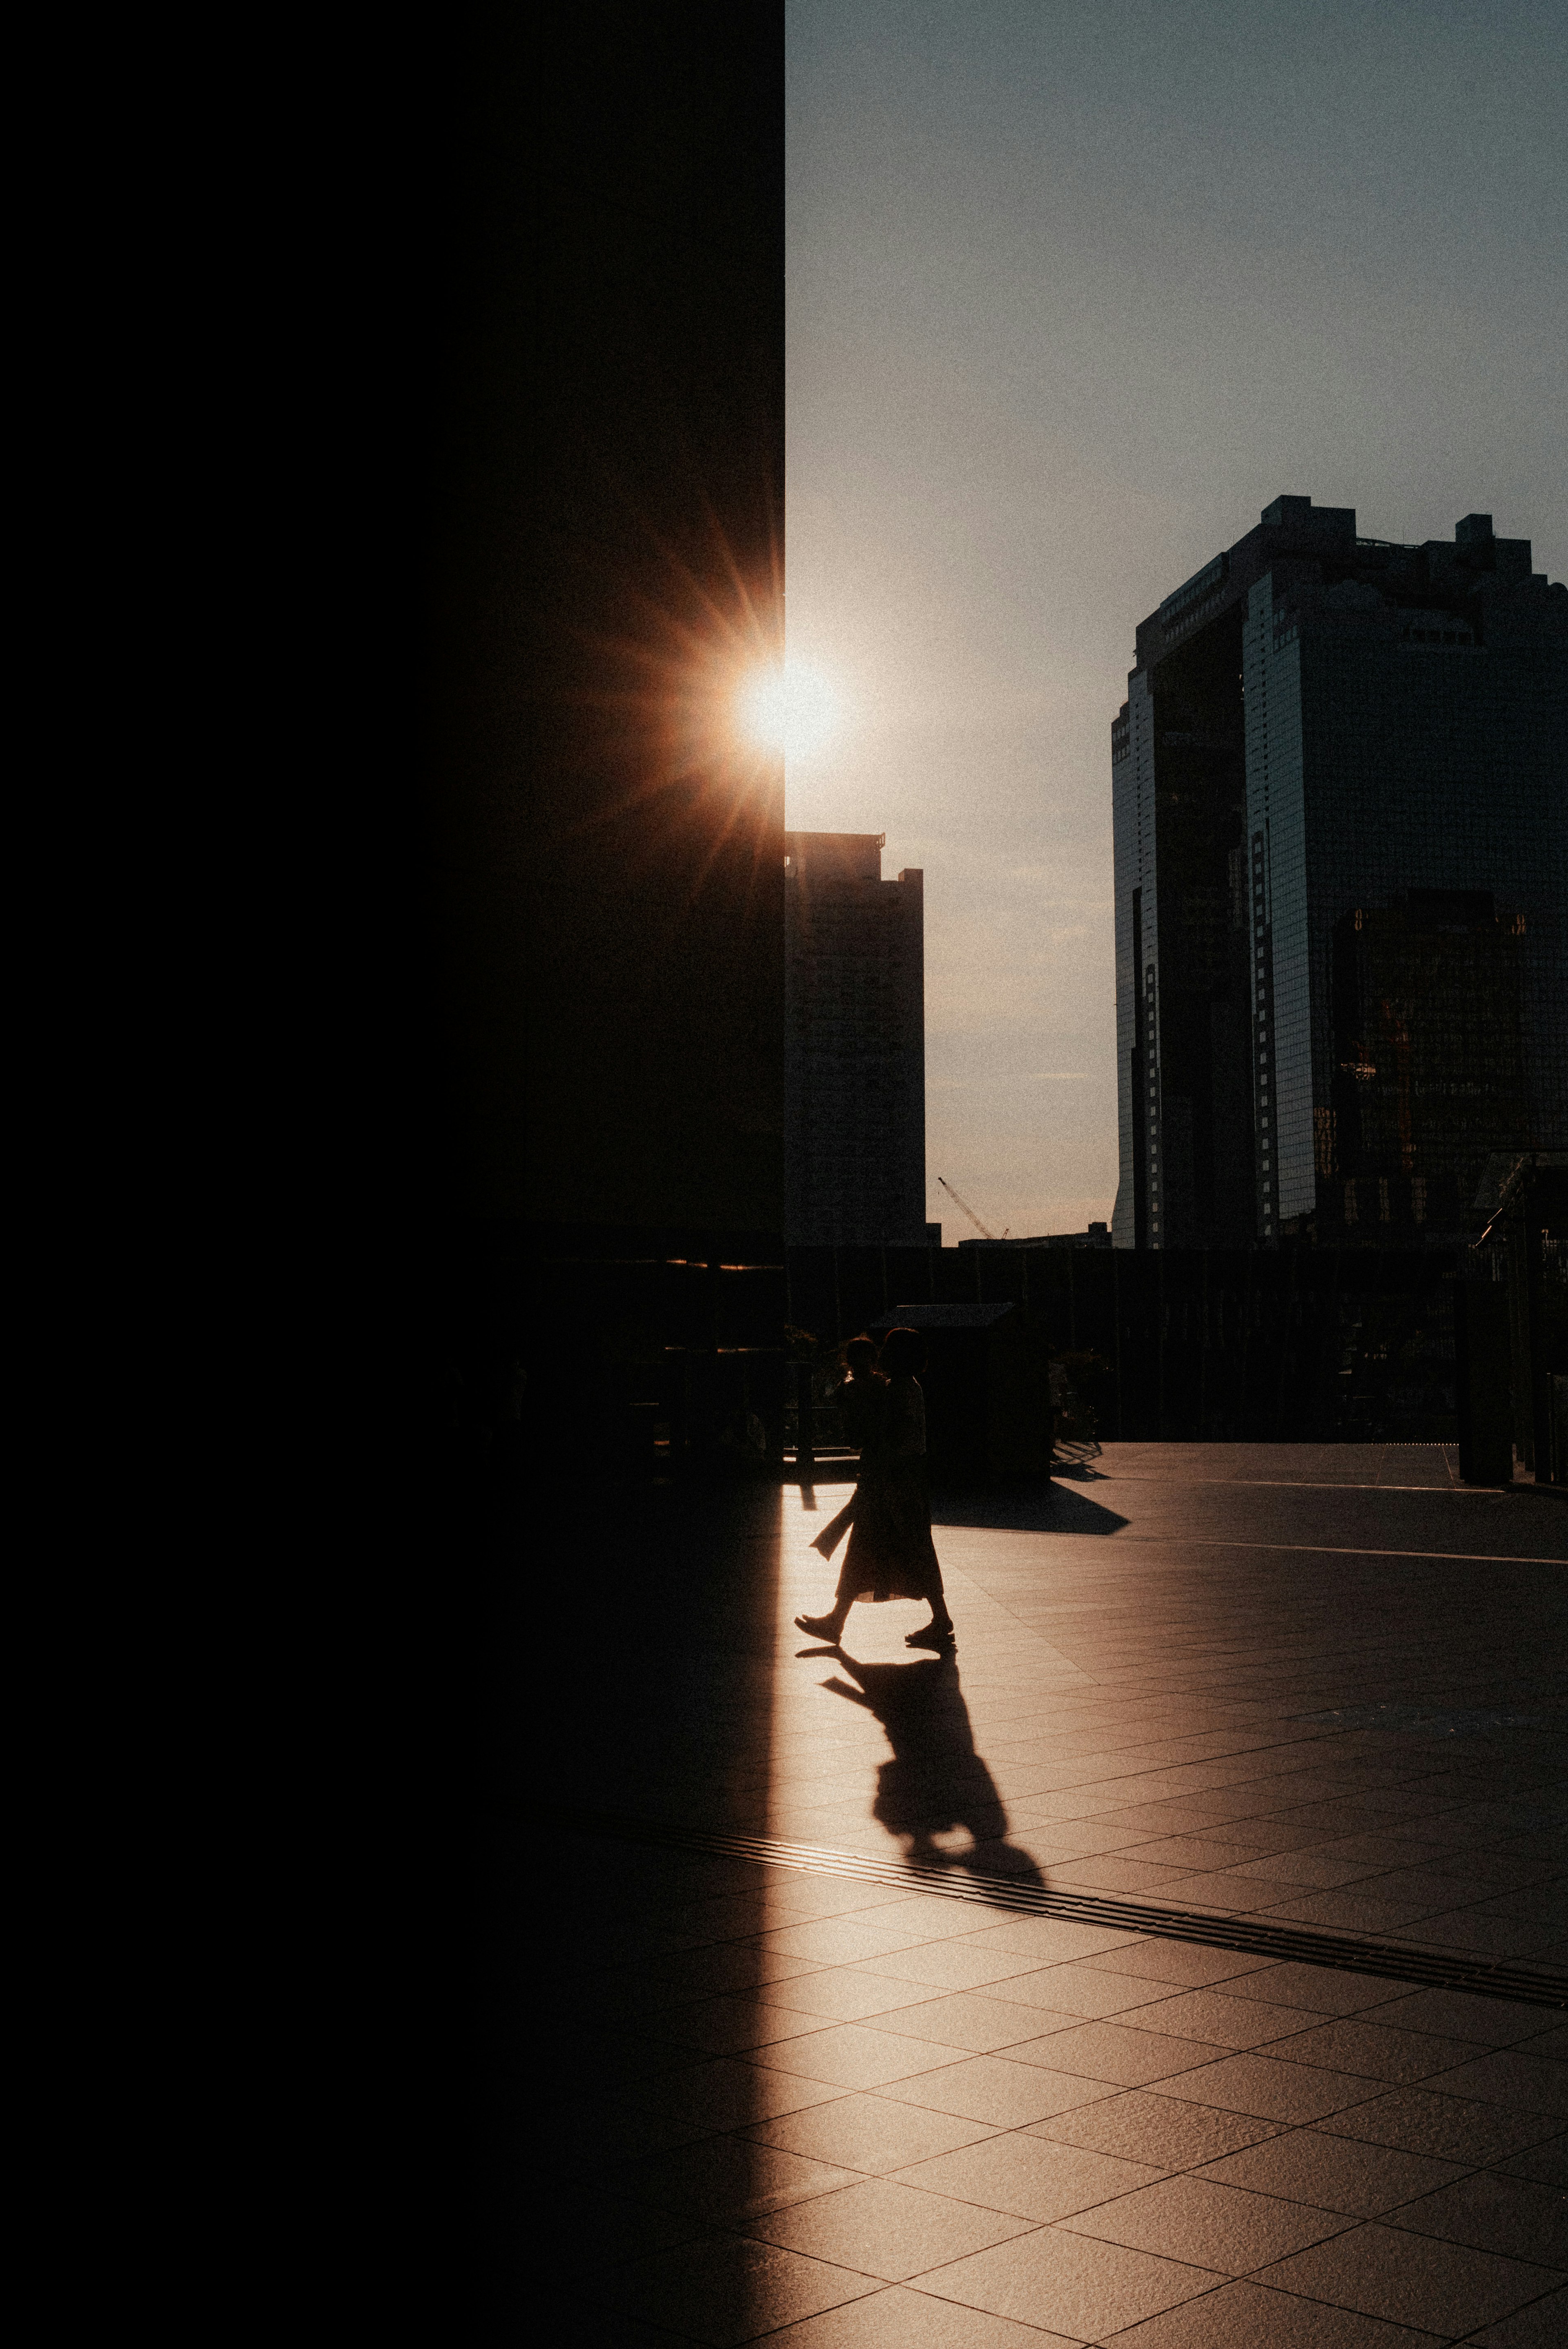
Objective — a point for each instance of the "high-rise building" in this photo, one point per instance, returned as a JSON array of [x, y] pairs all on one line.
[[854, 1054], [1342, 886]]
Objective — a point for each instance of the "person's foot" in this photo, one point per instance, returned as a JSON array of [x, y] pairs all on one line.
[[821, 1627], [822, 1547], [931, 1635]]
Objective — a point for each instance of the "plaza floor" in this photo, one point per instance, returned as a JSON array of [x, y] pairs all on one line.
[[1298, 1700]]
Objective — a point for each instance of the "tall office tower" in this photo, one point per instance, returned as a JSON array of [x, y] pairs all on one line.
[[1342, 902], [855, 1053]]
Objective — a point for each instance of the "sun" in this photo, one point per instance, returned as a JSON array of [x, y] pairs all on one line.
[[789, 710]]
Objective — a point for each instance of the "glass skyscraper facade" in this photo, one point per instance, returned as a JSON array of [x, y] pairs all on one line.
[[1342, 887]]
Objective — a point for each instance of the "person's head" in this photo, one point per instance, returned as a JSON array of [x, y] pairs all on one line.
[[860, 1357], [903, 1354]]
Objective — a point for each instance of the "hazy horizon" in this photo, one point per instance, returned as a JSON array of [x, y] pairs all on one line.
[[1075, 289]]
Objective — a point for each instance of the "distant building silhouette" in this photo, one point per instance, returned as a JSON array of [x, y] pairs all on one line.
[[1098, 1236], [854, 1055], [1342, 917]]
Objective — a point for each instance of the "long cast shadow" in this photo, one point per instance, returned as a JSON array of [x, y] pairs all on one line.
[[935, 1783], [1033, 1504]]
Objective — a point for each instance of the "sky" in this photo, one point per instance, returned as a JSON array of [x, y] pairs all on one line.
[[1076, 287]]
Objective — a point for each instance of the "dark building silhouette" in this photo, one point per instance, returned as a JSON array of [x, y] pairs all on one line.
[[856, 1053], [607, 564], [1429, 1074], [610, 562], [1342, 904]]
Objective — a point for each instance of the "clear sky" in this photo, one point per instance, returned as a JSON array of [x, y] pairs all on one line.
[[1075, 288]]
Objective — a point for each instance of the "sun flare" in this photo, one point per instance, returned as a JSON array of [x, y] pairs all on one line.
[[790, 710]]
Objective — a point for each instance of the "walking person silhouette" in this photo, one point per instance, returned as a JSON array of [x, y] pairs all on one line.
[[859, 1401], [891, 1553]]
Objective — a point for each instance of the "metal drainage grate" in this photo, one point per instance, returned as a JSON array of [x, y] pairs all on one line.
[[1384, 1960]]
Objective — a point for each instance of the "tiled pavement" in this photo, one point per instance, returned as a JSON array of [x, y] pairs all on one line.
[[834, 2113]]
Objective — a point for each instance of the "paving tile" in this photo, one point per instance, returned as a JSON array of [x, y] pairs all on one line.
[[868, 2133], [1459, 2014], [1068, 2283], [1542, 2325], [727, 2290], [852, 2055], [1028, 2176], [1438, 2287], [840, 1941], [1548, 2162], [726, 1917], [952, 1965], [1113, 1872], [1044, 1940], [1334, 2173], [977, 2021], [1196, 1854], [732, 1966], [586, 2224], [1511, 2076], [729, 2178], [928, 1917], [1221, 2019], [721, 2026], [1312, 1867], [885, 2229], [1516, 2217], [1364, 2044], [704, 2102], [899, 2318], [603, 2061], [1053, 1840], [1543, 1903], [1488, 1937], [1346, 1912], [994, 2089], [1138, 2126], [1274, 2090], [1207, 2225], [790, 1895], [1192, 1818], [1250, 2316], [1114, 2052], [1323, 1988], [1078, 1993], [1186, 1962], [1079, 1803], [844, 1994], [1451, 2128]]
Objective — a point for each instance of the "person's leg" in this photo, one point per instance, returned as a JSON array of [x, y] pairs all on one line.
[[939, 1629], [828, 1626]]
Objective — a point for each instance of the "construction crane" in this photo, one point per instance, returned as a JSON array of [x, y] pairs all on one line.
[[984, 1229]]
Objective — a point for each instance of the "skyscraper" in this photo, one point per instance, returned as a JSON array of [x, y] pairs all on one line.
[[854, 1055], [1342, 886]]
